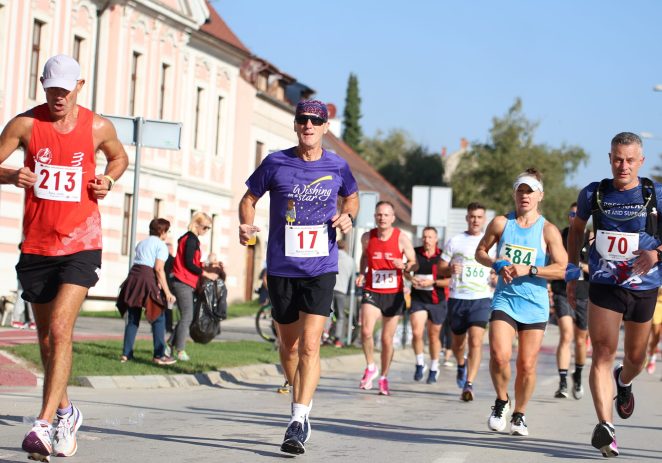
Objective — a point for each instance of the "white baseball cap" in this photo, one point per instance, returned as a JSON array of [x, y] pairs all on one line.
[[528, 180], [61, 71]]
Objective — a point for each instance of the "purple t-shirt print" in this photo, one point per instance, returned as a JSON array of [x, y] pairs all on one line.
[[302, 193]]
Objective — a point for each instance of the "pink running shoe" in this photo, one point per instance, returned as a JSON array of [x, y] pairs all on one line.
[[650, 367], [368, 377], [383, 387]]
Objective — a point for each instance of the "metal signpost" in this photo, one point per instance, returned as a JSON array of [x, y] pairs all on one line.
[[141, 132], [365, 219]]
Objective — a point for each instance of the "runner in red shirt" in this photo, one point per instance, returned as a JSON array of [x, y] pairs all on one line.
[[382, 264], [61, 248]]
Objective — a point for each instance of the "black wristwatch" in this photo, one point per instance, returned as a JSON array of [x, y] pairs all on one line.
[[659, 255], [533, 271]]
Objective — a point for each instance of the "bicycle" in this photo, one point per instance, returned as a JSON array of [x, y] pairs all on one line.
[[264, 324], [328, 336]]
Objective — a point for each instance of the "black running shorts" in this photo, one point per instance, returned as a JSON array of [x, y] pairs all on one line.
[[391, 305], [579, 315], [517, 326], [41, 276], [436, 312], [636, 306], [289, 296]]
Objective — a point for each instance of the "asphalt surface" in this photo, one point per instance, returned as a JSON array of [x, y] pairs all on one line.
[[245, 421]]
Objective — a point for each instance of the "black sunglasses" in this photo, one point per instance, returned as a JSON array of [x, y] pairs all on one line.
[[303, 120], [572, 214]]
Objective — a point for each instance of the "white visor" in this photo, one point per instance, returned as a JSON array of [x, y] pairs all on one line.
[[528, 180]]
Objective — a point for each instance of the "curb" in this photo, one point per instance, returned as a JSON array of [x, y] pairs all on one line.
[[227, 378]]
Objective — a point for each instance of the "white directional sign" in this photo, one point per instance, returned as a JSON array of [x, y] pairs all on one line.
[[430, 205]]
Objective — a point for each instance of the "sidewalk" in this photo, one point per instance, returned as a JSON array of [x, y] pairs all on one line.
[[14, 374]]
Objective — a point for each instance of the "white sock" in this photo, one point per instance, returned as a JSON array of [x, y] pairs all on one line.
[[621, 383], [420, 359], [434, 365], [653, 358], [299, 413], [372, 366], [382, 377]]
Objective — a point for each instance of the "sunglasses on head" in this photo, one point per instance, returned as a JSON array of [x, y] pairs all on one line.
[[303, 120]]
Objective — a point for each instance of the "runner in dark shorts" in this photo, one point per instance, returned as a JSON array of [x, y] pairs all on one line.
[[304, 184]]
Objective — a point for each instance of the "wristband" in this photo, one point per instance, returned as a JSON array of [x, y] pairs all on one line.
[[111, 180], [572, 272], [499, 265]]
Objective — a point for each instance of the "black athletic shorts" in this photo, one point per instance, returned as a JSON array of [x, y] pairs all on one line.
[[391, 305], [466, 313], [41, 276], [636, 306], [579, 315], [503, 316], [436, 312], [289, 296]]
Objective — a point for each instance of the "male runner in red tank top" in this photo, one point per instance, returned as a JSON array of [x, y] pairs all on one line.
[[61, 247], [382, 266]]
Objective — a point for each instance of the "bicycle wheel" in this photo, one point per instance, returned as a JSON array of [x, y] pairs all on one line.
[[264, 323]]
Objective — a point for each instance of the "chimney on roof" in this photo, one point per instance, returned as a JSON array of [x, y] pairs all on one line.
[[464, 143], [443, 152]]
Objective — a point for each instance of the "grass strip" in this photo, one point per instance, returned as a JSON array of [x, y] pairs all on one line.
[[101, 358]]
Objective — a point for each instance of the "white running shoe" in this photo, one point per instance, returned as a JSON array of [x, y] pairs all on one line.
[[38, 442], [518, 425], [65, 443], [498, 418]]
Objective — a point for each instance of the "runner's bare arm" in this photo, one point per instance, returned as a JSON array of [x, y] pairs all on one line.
[[575, 243], [350, 205], [15, 135], [559, 258], [105, 139], [363, 262], [444, 269], [491, 237], [408, 251], [246, 216]]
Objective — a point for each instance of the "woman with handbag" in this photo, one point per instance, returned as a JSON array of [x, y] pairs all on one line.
[[146, 287]]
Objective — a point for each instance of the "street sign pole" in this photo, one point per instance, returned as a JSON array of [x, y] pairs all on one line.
[[136, 189], [147, 133]]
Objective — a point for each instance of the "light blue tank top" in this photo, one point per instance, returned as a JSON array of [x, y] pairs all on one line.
[[525, 299]]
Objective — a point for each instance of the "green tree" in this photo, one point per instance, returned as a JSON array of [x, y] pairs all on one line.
[[352, 133], [416, 167], [487, 171], [381, 150]]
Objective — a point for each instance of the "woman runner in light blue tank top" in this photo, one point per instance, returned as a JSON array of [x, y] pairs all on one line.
[[529, 252]]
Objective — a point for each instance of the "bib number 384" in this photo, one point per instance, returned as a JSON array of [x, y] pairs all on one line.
[[306, 241], [616, 246], [58, 183], [519, 254]]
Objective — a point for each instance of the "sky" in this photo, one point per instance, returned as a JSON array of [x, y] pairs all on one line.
[[441, 70]]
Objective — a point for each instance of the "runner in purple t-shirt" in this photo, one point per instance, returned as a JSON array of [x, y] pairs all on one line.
[[304, 184]]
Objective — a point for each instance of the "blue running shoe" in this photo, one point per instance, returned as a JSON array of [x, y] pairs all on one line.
[[462, 374], [418, 374], [432, 377], [294, 439]]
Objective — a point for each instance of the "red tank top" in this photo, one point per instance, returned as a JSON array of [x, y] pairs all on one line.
[[61, 215], [382, 276]]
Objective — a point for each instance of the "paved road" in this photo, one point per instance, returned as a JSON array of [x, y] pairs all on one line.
[[419, 422]]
